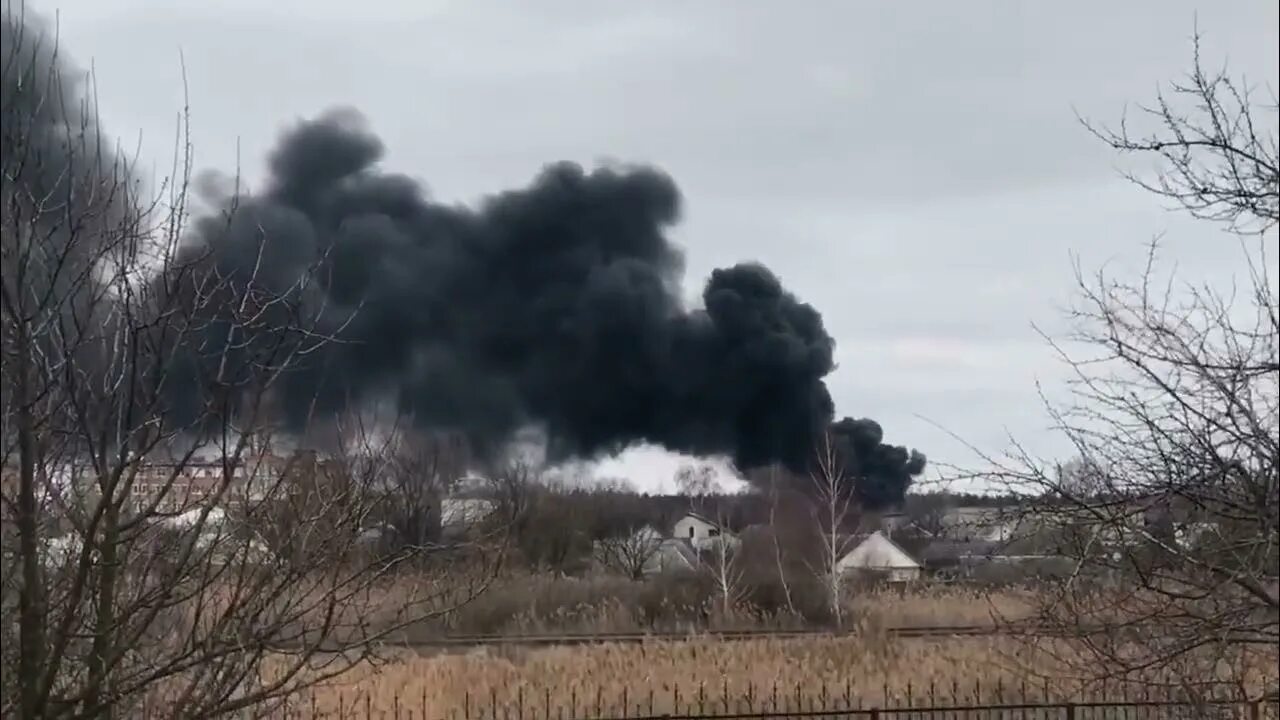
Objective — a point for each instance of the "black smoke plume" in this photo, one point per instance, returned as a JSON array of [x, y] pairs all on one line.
[[67, 208], [53, 155], [555, 306], [879, 474]]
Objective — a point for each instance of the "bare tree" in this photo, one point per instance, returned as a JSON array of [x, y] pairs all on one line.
[[141, 458], [928, 512], [694, 480], [778, 562], [834, 509], [722, 563], [553, 528], [1216, 145], [1171, 513], [1078, 477], [424, 468], [718, 556], [511, 488], [630, 553]]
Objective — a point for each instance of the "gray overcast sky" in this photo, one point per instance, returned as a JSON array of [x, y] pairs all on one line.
[[914, 170]]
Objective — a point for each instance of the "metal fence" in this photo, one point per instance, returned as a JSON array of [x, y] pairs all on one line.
[[1115, 702]]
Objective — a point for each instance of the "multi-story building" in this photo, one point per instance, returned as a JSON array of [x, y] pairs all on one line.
[[169, 486]]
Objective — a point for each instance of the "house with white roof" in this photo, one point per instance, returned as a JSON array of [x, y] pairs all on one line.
[[878, 553]]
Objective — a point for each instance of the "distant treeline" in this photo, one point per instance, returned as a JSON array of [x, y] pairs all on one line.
[[946, 498]]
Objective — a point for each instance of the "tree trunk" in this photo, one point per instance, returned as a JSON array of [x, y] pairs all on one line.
[[98, 701], [31, 592]]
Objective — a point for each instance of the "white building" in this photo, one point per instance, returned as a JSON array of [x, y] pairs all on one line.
[[979, 524], [647, 548], [461, 513], [879, 554], [671, 556], [701, 533]]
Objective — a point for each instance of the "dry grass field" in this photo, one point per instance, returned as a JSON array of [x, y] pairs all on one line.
[[706, 671], [700, 671], [697, 675], [869, 668], [536, 605], [938, 607]]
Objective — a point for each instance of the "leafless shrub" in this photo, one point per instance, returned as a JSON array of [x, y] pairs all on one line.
[[630, 553], [1170, 514]]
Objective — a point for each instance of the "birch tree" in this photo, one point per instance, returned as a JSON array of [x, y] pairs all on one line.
[[834, 507], [718, 557]]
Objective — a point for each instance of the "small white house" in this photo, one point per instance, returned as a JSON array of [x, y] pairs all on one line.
[[647, 547], [979, 524], [700, 532], [461, 513], [671, 556], [878, 553]]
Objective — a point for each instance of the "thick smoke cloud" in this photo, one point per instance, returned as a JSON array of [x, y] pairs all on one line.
[[66, 211], [879, 474], [53, 155], [556, 305]]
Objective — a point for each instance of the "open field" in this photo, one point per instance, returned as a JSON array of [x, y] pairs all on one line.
[[688, 675], [457, 643], [867, 668], [872, 665]]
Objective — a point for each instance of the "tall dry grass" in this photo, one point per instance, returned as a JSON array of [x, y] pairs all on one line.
[[667, 677], [714, 673], [932, 606], [535, 604], [869, 668]]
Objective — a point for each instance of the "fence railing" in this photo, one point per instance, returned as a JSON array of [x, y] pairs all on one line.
[[1129, 701]]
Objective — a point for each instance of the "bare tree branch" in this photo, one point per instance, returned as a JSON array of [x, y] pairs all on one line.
[[1170, 512]]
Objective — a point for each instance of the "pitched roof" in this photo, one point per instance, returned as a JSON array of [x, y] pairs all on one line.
[[730, 512], [880, 537], [672, 550]]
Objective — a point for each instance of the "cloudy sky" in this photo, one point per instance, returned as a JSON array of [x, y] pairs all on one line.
[[914, 170]]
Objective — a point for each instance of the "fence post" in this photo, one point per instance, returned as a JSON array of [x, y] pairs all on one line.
[[875, 713], [1255, 710], [1070, 710]]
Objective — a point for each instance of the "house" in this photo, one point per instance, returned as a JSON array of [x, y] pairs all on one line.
[[877, 553], [978, 524], [672, 555], [461, 513], [682, 548], [693, 527], [646, 552], [700, 532]]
